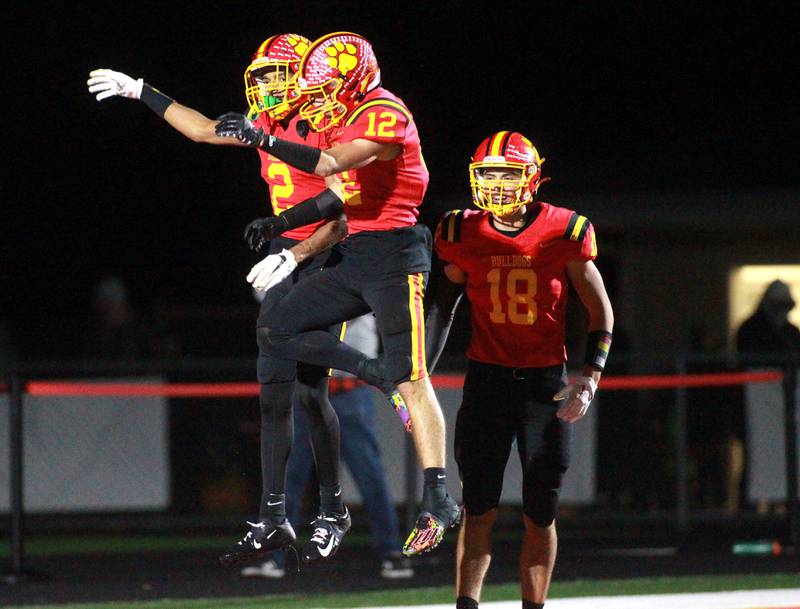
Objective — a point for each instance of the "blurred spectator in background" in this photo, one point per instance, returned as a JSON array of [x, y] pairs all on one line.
[[117, 331], [767, 336], [353, 402], [716, 427]]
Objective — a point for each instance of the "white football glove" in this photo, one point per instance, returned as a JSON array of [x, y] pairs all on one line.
[[578, 396], [108, 83], [272, 270]]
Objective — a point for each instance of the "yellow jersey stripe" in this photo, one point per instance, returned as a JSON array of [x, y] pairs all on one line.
[[379, 102], [414, 336], [415, 295], [421, 356], [577, 228], [451, 225]]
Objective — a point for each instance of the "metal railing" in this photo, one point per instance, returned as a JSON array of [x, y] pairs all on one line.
[[677, 364]]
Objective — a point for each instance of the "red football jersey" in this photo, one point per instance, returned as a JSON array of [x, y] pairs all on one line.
[[384, 194], [516, 283], [289, 186]]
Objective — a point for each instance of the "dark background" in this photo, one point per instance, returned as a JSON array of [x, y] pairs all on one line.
[[630, 96]]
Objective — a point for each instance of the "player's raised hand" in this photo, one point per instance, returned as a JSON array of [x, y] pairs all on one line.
[[261, 230], [578, 396], [233, 124], [108, 83], [272, 270]]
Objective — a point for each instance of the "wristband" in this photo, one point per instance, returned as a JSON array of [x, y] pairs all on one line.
[[155, 99], [300, 156], [598, 344]]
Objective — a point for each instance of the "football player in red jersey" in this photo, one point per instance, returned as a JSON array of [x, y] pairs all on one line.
[[517, 258], [302, 251], [385, 261]]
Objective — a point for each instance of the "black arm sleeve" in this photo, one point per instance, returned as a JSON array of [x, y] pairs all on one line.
[[319, 207], [155, 99], [300, 156], [441, 302]]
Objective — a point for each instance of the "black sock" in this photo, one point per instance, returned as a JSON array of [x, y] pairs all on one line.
[[532, 605], [465, 602], [275, 509], [330, 499], [434, 490]]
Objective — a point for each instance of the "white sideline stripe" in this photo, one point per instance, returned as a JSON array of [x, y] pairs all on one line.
[[745, 599]]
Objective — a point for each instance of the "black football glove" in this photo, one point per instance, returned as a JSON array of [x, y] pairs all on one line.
[[261, 230], [232, 124]]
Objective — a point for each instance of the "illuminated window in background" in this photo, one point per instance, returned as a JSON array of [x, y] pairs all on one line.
[[747, 284]]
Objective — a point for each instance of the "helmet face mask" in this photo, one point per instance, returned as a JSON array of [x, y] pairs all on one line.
[[270, 78], [505, 173], [322, 108], [502, 189], [336, 73]]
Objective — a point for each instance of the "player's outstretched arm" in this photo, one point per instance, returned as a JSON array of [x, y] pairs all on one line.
[[588, 284], [441, 302], [352, 155], [194, 125]]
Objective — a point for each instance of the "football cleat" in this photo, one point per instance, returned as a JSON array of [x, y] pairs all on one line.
[[329, 529], [396, 566], [262, 538], [269, 569], [430, 527]]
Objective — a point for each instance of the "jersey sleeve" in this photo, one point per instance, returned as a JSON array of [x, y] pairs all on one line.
[[447, 239], [581, 232], [379, 121]]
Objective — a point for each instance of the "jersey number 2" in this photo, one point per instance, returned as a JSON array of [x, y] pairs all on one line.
[[280, 193], [520, 289]]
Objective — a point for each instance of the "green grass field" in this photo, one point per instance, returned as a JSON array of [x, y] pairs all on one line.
[[426, 596], [64, 545]]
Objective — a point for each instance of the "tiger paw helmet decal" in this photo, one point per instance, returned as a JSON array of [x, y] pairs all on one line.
[[335, 74]]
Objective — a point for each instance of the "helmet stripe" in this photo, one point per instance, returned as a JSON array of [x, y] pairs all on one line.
[[503, 147], [264, 45], [497, 140]]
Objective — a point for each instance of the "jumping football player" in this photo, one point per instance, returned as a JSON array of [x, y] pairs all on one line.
[[273, 105], [385, 261]]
